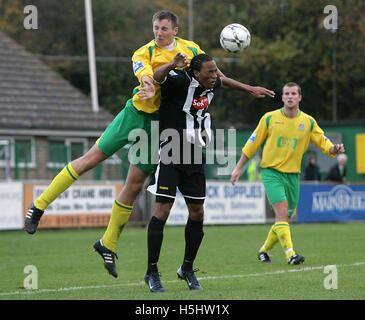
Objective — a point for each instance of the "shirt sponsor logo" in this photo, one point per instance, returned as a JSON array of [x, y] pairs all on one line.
[[200, 103], [287, 142], [138, 65]]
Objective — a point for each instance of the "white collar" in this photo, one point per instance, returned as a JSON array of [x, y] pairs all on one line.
[[170, 46]]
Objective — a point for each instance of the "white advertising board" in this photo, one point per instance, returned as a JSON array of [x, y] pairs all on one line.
[[81, 199], [11, 203], [243, 203]]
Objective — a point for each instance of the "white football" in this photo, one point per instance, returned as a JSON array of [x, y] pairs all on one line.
[[235, 37]]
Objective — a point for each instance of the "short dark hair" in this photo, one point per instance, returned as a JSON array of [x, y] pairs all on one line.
[[168, 15], [197, 62], [293, 84]]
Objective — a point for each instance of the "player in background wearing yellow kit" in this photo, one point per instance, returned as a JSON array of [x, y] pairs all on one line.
[[138, 113], [286, 133]]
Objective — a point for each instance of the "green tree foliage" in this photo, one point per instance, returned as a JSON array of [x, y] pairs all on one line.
[[289, 43]]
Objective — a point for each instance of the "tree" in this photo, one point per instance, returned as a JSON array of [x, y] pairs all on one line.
[[289, 43]]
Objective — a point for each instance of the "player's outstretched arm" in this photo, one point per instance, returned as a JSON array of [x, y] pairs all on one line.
[[257, 92], [179, 61], [238, 170]]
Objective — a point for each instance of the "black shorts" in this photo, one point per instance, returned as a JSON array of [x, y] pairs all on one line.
[[189, 178]]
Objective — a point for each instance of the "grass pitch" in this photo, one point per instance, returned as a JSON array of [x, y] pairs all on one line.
[[68, 269]]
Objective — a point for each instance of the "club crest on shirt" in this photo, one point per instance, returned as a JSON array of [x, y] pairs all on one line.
[[138, 65], [252, 138], [200, 103], [301, 126], [172, 73]]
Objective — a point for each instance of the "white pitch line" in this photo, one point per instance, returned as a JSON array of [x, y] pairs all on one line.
[[134, 284]]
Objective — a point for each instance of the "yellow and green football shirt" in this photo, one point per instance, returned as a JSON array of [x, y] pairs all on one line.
[[286, 140], [149, 58]]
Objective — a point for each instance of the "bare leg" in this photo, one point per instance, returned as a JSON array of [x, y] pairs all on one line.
[[133, 185], [89, 160], [281, 211]]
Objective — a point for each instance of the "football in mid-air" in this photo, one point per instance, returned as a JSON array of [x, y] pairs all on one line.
[[235, 37]]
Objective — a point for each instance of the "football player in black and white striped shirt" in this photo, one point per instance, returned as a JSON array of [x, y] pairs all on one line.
[[185, 98]]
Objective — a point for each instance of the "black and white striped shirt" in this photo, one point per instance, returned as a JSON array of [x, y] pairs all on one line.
[[184, 107]]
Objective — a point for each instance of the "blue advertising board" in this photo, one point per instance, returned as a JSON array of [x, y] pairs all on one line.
[[329, 202]]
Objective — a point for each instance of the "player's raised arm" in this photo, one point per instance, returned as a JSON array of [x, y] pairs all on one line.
[[257, 92], [179, 61]]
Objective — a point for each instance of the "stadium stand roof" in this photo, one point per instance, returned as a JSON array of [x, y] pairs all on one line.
[[33, 97]]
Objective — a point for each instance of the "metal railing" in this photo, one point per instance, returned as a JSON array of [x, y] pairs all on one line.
[[28, 160], [42, 161]]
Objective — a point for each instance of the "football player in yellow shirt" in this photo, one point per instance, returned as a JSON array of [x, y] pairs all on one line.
[[286, 133], [138, 113]]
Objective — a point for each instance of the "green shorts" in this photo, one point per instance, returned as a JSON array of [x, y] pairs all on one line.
[[281, 186], [132, 127]]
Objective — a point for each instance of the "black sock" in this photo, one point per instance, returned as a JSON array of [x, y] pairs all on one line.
[[193, 237], [154, 242]]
